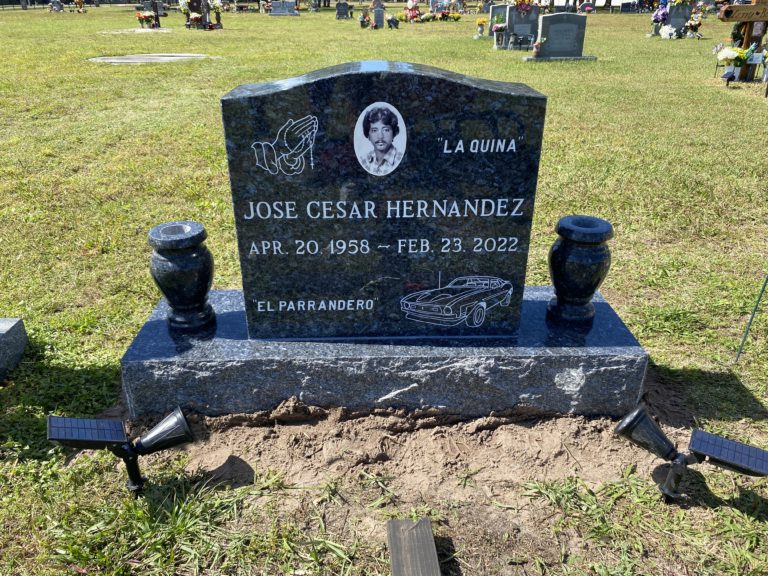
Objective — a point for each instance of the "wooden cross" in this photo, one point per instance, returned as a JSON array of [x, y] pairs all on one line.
[[755, 19]]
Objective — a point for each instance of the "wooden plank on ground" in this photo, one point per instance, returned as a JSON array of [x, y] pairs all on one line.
[[412, 549]]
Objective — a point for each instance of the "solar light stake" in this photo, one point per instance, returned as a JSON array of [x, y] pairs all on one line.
[[752, 317], [640, 429], [110, 434]]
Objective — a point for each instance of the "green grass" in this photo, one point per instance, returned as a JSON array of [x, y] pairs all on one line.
[[92, 156]]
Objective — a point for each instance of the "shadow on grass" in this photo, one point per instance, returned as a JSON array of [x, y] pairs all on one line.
[[680, 397], [37, 388], [446, 555], [696, 493]]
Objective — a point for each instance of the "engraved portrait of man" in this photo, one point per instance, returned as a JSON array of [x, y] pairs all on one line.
[[380, 139]]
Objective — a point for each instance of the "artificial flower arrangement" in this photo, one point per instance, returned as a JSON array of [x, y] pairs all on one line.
[[669, 32], [445, 15], [428, 17], [145, 16], [481, 22], [537, 46], [195, 17], [660, 15], [366, 22], [735, 56], [498, 28], [523, 6]]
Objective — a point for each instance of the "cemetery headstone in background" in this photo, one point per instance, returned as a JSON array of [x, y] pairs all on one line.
[[562, 37], [523, 25], [284, 8], [13, 340], [342, 11], [679, 14], [378, 17], [498, 14], [394, 279]]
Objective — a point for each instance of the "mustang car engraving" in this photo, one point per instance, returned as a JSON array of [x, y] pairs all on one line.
[[465, 299]]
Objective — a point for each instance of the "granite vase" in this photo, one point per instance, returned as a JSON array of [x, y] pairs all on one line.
[[579, 261], [182, 268]]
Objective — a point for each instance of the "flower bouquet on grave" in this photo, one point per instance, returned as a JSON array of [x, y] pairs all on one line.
[[537, 47], [195, 17], [660, 15], [481, 23], [523, 6], [428, 17], [668, 32], [734, 58], [499, 33], [146, 17]]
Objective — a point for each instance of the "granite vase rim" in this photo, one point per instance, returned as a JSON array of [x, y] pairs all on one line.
[[177, 235], [585, 229]]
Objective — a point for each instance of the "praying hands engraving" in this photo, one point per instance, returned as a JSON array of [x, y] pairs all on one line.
[[287, 154]]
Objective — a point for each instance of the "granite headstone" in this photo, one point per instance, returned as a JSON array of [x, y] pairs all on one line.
[[563, 34], [497, 15], [284, 8], [342, 11], [390, 280], [679, 14], [404, 228], [378, 18], [522, 25], [13, 340]]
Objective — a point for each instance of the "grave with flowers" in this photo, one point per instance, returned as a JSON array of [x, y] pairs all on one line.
[[748, 36], [198, 14]]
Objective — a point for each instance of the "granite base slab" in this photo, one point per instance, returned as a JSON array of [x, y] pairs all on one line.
[[543, 368], [13, 341], [556, 58]]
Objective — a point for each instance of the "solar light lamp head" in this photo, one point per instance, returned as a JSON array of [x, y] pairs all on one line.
[[172, 431], [640, 429]]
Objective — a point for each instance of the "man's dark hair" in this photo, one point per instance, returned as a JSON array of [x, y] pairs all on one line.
[[383, 115]]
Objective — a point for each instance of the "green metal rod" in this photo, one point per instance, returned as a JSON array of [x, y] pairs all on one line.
[[749, 324]]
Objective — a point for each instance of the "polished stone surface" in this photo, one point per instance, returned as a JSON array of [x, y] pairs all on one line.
[[564, 34], [543, 367], [522, 23], [334, 245], [13, 340]]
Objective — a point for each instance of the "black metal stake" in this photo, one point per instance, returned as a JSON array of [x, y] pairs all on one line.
[[749, 324]]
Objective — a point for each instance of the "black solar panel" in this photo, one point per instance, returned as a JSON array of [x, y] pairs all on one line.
[[85, 432], [729, 454]]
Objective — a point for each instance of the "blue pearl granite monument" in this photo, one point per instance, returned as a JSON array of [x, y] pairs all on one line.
[[383, 253]]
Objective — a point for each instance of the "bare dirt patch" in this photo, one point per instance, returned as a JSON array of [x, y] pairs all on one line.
[[468, 476]]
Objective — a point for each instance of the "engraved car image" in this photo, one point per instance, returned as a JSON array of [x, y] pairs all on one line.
[[465, 299]]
